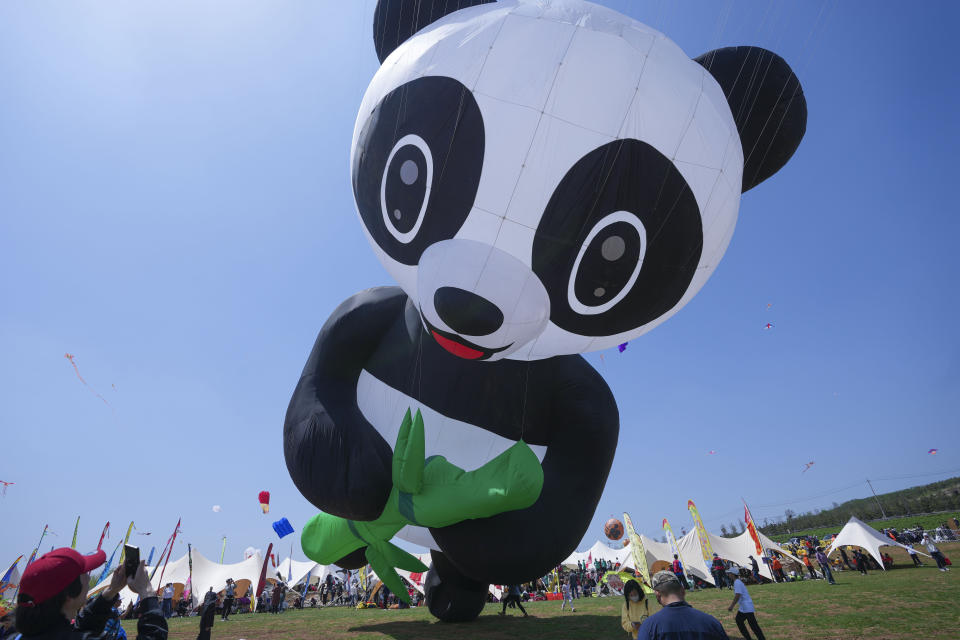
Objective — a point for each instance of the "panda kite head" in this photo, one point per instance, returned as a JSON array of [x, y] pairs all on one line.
[[547, 178]]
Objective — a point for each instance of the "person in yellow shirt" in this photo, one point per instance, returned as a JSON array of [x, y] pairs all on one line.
[[636, 608]]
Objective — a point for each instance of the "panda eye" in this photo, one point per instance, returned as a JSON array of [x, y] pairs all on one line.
[[619, 241], [417, 162], [608, 264], [404, 190]]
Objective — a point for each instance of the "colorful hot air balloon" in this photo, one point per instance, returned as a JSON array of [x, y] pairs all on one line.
[[265, 501], [933, 452]]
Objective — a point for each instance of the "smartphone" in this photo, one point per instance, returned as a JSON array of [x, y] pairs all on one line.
[[131, 559]]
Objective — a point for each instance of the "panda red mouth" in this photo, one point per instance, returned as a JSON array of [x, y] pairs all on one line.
[[458, 346]]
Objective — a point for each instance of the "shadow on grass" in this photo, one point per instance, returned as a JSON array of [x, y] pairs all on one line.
[[513, 627]]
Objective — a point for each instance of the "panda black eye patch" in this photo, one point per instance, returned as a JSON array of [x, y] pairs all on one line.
[[619, 241], [417, 165]]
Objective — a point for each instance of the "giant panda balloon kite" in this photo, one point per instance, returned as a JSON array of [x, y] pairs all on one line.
[[542, 179]]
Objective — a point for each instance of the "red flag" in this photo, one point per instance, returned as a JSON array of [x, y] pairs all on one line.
[[106, 531], [263, 572], [173, 539], [752, 528]]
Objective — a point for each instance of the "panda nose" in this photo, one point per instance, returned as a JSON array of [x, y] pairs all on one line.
[[466, 312]]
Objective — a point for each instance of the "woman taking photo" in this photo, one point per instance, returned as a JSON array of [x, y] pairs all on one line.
[[54, 588], [635, 610]]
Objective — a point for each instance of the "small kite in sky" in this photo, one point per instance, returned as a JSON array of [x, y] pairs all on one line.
[[283, 527], [807, 466], [768, 326], [933, 452], [711, 452], [769, 304], [5, 485], [622, 347], [264, 497], [602, 360], [216, 508], [70, 357]]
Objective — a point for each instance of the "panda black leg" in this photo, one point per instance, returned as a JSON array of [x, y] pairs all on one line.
[[451, 596]]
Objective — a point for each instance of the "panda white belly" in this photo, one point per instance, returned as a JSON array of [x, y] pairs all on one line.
[[465, 445]]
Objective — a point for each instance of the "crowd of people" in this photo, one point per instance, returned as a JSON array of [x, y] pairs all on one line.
[[53, 599]]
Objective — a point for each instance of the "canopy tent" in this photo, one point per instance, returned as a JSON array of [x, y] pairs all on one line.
[[737, 550], [300, 571], [599, 551], [859, 534], [206, 574]]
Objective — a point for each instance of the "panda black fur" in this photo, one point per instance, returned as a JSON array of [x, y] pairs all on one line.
[[383, 347]]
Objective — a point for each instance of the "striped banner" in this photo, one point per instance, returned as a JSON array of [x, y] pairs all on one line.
[[636, 548]]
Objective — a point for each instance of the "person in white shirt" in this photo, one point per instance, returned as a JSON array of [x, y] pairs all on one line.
[[935, 552], [746, 613], [914, 556], [167, 600]]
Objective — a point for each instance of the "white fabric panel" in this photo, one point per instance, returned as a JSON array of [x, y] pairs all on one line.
[[206, 574], [859, 534], [462, 444]]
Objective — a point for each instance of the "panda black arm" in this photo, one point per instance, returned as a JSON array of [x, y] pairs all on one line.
[[572, 410], [335, 457]]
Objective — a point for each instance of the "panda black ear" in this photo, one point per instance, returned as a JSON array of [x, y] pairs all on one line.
[[396, 20], [768, 106]]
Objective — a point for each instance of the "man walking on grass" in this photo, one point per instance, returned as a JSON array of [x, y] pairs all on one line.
[[746, 612]]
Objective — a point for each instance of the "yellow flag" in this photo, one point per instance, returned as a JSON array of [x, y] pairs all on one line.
[[636, 547], [705, 547]]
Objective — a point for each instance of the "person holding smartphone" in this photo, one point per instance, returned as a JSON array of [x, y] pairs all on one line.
[[54, 587]]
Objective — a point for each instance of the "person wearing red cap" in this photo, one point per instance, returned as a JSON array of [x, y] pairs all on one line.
[[54, 587]]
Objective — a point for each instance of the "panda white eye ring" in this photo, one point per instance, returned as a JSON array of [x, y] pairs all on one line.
[[612, 249], [409, 173]]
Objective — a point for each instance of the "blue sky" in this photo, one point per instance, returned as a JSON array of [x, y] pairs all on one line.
[[175, 211]]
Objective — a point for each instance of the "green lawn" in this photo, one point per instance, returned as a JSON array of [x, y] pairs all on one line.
[[899, 604], [906, 522]]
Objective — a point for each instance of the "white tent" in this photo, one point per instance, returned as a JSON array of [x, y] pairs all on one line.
[[206, 574], [300, 571], [738, 550], [859, 534]]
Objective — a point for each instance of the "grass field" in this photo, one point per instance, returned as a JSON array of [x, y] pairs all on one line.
[[898, 604], [926, 521]]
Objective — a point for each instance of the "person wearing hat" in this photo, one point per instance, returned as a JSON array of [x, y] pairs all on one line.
[[718, 569], [677, 620], [745, 612], [635, 609], [54, 587]]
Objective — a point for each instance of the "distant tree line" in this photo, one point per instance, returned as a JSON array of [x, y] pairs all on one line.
[[929, 498]]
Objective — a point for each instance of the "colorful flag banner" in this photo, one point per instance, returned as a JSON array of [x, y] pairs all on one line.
[[126, 539], [705, 547], [752, 528], [290, 565], [5, 580], [106, 567], [223, 548], [636, 548], [150, 558], [73, 545], [263, 572], [187, 588], [674, 547], [33, 556], [105, 532], [173, 539]]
